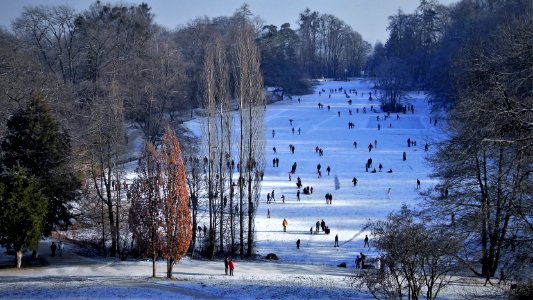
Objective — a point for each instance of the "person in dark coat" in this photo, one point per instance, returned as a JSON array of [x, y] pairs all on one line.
[[366, 242], [336, 241], [354, 181], [298, 242], [363, 258], [53, 248], [226, 264]]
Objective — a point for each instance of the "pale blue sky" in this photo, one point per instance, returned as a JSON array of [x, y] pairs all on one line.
[[368, 17]]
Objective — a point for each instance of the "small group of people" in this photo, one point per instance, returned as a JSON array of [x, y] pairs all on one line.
[[308, 190], [275, 162], [411, 142], [319, 151], [229, 265], [270, 197], [321, 225], [59, 248], [360, 261], [292, 148], [329, 198]]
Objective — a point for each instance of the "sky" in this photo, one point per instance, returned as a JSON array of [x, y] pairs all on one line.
[[368, 17]]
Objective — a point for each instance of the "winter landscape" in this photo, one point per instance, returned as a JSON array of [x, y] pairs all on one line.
[[219, 150], [309, 272]]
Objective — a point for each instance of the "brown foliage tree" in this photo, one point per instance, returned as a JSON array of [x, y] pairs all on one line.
[[159, 215], [177, 230]]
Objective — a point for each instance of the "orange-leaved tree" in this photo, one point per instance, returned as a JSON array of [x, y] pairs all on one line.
[[177, 227]]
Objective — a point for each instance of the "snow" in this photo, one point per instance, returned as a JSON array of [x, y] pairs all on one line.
[[309, 272]]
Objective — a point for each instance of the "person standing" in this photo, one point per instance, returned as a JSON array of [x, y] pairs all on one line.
[[336, 241], [226, 264], [60, 248], [366, 242], [231, 266], [285, 224], [298, 242], [418, 184], [53, 248]]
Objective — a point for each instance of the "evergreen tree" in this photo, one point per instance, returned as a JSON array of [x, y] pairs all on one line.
[[22, 211], [34, 142]]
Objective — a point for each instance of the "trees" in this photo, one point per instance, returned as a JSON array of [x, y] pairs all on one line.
[[159, 215], [416, 258], [279, 59], [35, 142], [329, 47], [251, 98], [22, 211], [484, 167]]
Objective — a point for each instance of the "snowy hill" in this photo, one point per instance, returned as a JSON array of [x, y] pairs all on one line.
[[351, 206]]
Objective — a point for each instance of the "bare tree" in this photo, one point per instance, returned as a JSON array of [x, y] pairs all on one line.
[[415, 258], [251, 98]]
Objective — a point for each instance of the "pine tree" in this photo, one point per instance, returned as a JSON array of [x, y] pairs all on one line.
[[22, 212], [34, 142]]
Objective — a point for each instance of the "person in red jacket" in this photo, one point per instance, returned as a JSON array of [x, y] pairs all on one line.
[[231, 265]]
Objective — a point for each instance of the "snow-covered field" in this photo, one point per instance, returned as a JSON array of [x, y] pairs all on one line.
[[309, 272]]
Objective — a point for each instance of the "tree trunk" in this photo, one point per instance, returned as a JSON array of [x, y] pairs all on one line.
[[153, 264], [170, 267]]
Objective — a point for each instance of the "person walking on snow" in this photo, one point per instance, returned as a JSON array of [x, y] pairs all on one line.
[[298, 243], [366, 242], [418, 184], [336, 241], [354, 180], [285, 224], [328, 169]]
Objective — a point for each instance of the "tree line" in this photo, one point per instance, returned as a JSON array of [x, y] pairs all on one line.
[[474, 59]]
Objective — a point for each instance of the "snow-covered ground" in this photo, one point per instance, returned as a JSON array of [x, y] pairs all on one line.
[[309, 272]]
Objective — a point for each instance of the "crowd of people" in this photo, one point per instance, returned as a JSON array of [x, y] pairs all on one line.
[[370, 166]]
